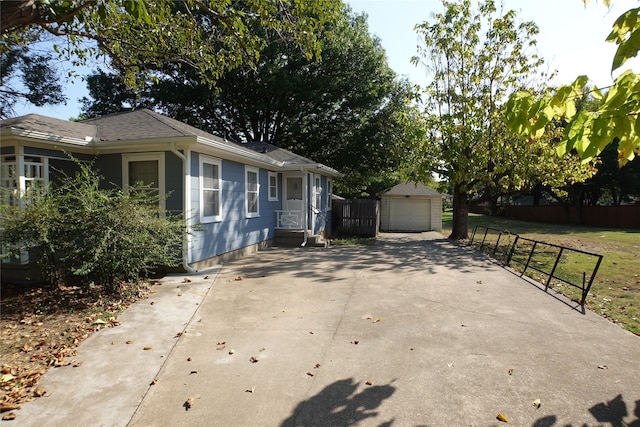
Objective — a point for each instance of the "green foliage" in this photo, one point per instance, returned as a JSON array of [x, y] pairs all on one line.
[[210, 36], [26, 73], [347, 111], [613, 185], [477, 59], [588, 133], [87, 235], [626, 34]]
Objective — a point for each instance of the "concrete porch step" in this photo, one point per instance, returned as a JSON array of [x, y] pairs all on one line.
[[296, 238]]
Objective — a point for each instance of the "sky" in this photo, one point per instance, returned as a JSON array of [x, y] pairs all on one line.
[[571, 40]]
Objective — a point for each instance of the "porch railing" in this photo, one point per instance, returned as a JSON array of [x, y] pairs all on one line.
[[290, 220]]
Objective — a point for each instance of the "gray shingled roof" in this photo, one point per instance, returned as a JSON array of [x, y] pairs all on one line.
[[50, 126], [142, 124], [411, 189], [276, 153]]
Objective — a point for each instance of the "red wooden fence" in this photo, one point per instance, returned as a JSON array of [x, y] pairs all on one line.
[[627, 216]]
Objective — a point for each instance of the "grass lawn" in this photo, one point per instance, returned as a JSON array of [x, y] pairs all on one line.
[[615, 293]]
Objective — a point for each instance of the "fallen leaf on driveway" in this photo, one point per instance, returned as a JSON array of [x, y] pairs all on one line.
[[310, 374], [186, 280], [189, 402], [9, 416], [502, 418], [377, 320], [317, 365], [536, 403], [355, 342], [369, 382], [237, 278], [603, 367], [254, 359], [510, 371], [250, 390], [154, 381], [232, 351], [147, 347]]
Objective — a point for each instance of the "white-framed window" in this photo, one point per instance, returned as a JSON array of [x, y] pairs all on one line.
[[329, 193], [146, 169], [252, 192], [273, 186], [317, 192], [210, 189]]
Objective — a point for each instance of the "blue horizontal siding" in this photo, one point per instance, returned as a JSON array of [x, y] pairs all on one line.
[[234, 231]]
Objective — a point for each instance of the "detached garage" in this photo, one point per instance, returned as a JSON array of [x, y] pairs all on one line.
[[411, 207]]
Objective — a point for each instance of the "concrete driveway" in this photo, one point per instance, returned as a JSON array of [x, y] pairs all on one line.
[[413, 331]]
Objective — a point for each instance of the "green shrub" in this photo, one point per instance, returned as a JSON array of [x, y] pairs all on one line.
[[86, 235]]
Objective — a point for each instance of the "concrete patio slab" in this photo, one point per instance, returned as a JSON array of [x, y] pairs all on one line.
[[412, 331]]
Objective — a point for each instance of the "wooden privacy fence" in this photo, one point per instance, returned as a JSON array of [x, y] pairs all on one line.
[[358, 217], [627, 216]]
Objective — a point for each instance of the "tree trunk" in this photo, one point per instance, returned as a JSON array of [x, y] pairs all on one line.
[[17, 13], [460, 228]]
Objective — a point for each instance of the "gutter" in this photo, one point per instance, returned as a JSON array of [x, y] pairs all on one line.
[[185, 238]]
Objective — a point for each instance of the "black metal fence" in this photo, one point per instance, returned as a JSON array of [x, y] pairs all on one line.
[[556, 262]]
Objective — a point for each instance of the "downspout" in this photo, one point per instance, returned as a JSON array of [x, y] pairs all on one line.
[[305, 203], [185, 198]]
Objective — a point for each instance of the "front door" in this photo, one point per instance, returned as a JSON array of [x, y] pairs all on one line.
[[293, 200]]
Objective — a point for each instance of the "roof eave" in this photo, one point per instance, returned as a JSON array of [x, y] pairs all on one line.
[[48, 138]]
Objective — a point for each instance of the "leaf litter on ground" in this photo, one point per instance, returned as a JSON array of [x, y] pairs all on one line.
[[41, 329]]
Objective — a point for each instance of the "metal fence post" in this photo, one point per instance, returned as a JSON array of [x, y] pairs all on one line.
[[533, 248], [553, 270], [512, 250]]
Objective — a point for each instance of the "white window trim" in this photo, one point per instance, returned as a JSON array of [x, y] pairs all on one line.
[[275, 176], [317, 192], [247, 170], [137, 157], [217, 162], [329, 193]]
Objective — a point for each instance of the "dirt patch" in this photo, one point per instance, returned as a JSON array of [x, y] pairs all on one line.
[[41, 329]]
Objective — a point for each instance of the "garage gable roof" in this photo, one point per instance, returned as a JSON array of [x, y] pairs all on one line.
[[411, 188]]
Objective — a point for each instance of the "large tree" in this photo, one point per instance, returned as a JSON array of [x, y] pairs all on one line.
[[477, 58], [347, 110], [209, 36], [26, 74]]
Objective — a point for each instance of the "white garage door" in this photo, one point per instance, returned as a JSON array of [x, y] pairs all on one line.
[[410, 215]]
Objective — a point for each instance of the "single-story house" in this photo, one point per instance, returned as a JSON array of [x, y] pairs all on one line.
[[239, 195], [410, 207]]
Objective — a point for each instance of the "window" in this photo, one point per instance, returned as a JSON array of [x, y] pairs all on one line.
[[273, 186], [209, 189], [34, 176], [252, 191], [146, 170], [317, 193], [329, 193]]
